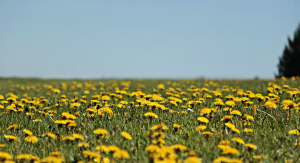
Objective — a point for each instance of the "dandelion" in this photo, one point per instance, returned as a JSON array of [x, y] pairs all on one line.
[[203, 119], [221, 159], [270, 105], [37, 120], [192, 160], [236, 112], [248, 130], [200, 128], [112, 148], [56, 91], [100, 132], [69, 138], [28, 157], [238, 140], [126, 135], [294, 132], [13, 127], [250, 146], [204, 111], [121, 154], [50, 135], [53, 159], [5, 156], [207, 134], [31, 139], [151, 115], [152, 148], [30, 115], [231, 151], [179, 147], [176, 127], [11, 138], [27, 132], [102, 148], [83, 145], [248, 117], [161, 126], [78, 136], [91, 154], [227, 118], [230, 103]]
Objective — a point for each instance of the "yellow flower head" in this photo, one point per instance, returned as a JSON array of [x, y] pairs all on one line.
[[31, 139], [121, 154], [101, 132], [179, 147], [192, 159], [238, 140], [11, 137], [203, 119], [200, 128], [294, 132], [27, 132], [151, 115], [126, 135], [5, 156], [250, 146]]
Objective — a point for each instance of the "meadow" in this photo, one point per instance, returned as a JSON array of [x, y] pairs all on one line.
[[188, 120]]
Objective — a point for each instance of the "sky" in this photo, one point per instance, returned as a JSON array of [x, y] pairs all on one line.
[[144, 39]]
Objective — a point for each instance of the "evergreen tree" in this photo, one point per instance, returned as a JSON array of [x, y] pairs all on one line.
[[289, 62]]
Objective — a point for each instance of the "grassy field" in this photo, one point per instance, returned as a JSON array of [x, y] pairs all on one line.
[[149, 120]]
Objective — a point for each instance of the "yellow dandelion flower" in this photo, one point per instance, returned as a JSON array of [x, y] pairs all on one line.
[[227, 118], [13, 127], [121, 154], [5, 156], [27, 132], [152, 148], [151, 115], [179, 147], [11, 138], [236, 112], [248, 117], [192, 159], [161, 126], [31, 139], [204, 111], [247, 130], [294, 132], [221, 159], [49, 134], [100, 132], [270, 105], [84, 145], [126, 135], [113, 148], [78, 136], [102, 148], [207, 134], [238, 140], [176, 127], [91, 154], [224, 142], [200, 128], [250, 146], [203, 119], [69, 138]]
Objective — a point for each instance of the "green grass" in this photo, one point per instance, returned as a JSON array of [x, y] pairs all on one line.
[[270, 133]]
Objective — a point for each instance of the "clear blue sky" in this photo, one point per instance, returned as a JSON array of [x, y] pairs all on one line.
[[144, 39]]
